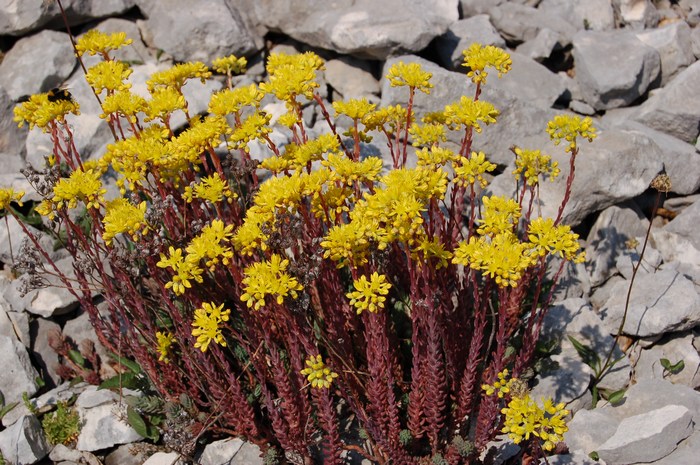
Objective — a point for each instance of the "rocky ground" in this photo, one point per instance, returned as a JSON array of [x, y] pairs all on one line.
[[630, 64]]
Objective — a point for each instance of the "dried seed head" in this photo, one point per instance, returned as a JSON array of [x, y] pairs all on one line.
[[661, 183]]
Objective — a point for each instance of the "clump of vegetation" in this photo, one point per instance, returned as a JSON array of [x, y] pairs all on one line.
[[62, 426]]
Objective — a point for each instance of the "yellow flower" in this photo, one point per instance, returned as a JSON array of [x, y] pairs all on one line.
[[318, 374], [124, 103], [268, 278], [434, 157], [477, 58], [428, 134], [345, 244], [470, 113], [569, 128], [40, 111], [469, 170], [165, 342], [369, 295], [431, 249], [530, 164], [123, 217], [8, 195], [502, 258], [500, 215], [211, 188], [230, 65], [231, 101], [353, 108], [411, 75], [347, 171], [292, 75], [207, 325], [558, 240], [109, 75], [501, 386], [185, 271], [84, 186], [201, 136], [164, 101], [255, 126], [177, 75], [210, 244], [95, 42]]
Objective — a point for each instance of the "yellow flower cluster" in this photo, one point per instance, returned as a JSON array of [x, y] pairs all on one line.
[[477, 58], [185, 271], [501, 257], [369, 294], [123, 217], [470, 113], [569, 128], [109, 76], [207, 325], [8, 195], [95, 42], [164, 101], [292, 75], [40, 111], [164, 341], [176, 76], [210, 245], [500, 215], [124, 103], [230, 65], [546, 238], [231, 101], [531, 164], [318, 374], [83, 186], [410, 75], [470, 170], [210, 188], [501, 386], [269, 278], [428, 134]]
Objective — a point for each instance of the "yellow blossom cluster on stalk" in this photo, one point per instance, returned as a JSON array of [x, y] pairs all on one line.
[[164, 341], [530, 165], [40, 111], [269, 277], [95, 42], [121, 216], [207, 325], [478, 57], [369, 294], [524, 417], [318, 374], [9, 195]]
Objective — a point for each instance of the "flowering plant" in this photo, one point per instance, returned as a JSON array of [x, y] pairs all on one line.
[[288, 296]]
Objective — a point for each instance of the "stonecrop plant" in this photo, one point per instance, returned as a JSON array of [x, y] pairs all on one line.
[[320, 287]]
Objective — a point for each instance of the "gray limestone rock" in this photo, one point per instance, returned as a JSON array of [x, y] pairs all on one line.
[[461, 35], [648, 436], [530, 81], [675, 109], [648, 361], [230, 452], [134, 54], [24, 443], [520, 23], [660, 303], [127, 454], [62, 393], [606, 241], [19, 376], [37, 63], [102, 427], [541, 46], [55, 299], [589, 429], [596, 15], [674, 45], [46, 359], [637, 14], [189, 32], [679, 240], [687, 451], [613, 68], [12, 138], [364, 28], [352, 78], [477, 7], [164, 458], [695, 41], [629, 258]]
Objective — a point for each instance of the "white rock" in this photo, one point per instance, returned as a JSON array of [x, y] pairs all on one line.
[[19, 375], [679, 240], [102, 427], [674, 45], [661, 302], [164, 458], [521, 23], [541, 46], [62, 393], [530, 81], [648, 436], [228, 452], [351, 78], [12, 138], [189, 32], [589, 429], [461, 35], [628, 259], [675, 109], [596, 15], [637, 14], [687, 451], [24, 443], [648, 361], [613, 68]]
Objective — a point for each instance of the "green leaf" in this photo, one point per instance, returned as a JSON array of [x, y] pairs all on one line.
[[587, 354], [139, 424], [77, 357], [594, 455], [7, 408], [129, 364], [616, 397], [126, 380], [672, 368]]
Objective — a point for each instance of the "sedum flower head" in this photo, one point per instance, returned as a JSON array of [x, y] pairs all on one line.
[[569, 128], [318, 374], [207, 325], [369, 294], [255, 126], [434, 157], [81, 186], [95, 42], [292, 75], [502, 258], [231, 101], [177, 75], [230, 65], [409, 74], [432, 249], [165, 342], [211, 245], [477, 58], [9, 195], [428, 134], [531, 164], [524, 419], [185, 271], [164, 101], [268, 278], [211, 188], [354, 108], [123, 217], [559, 240], [123, 103], [501, 386], [40, 111], [500, 215], [346, 244], [347, 171], [109, 75], [470, 113], [470, 170], [201, 136]]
